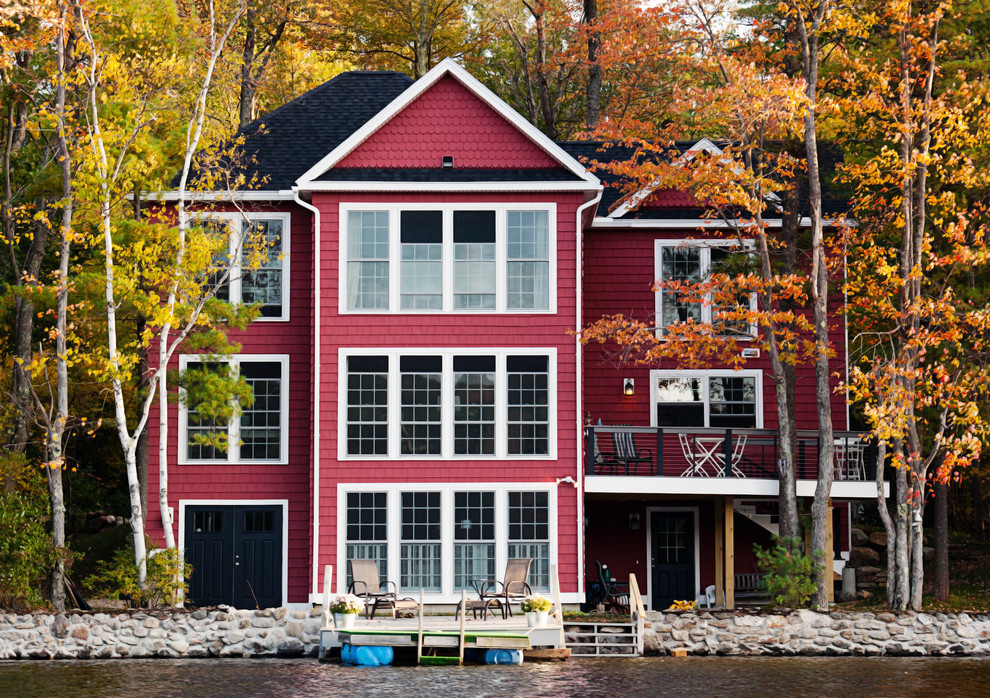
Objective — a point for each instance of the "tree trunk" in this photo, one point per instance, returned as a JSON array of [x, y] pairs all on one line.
[[142, 389], [918, 544], [903, 523], [543, 87], [888, 526], [163, 507], [941, 541], [249, 88], [594, 91]]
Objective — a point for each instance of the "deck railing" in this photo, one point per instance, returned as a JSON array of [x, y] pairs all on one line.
[[698, 452]]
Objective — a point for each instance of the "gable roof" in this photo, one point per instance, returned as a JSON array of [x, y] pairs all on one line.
[[447, 68], [287, 142]]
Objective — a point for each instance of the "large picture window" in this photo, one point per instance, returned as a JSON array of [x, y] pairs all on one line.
[[447, 404], [448, 259], [691, 263], [447, 538], [728, 400], [259, 434], [254, 235]]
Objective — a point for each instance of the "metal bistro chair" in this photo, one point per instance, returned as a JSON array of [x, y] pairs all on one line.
[[626, 453], [849, 459], [614, 594], [514, 584], [365, 585]]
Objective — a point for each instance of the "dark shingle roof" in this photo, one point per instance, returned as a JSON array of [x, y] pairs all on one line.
[[438, 174], [290, 140]]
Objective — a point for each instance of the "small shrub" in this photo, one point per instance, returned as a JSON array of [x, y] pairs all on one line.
[[683, 606], [347, 603], [167, 584], [536, 602], [790, 574]]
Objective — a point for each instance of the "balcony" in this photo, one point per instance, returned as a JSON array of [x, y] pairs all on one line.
[[691, 460]]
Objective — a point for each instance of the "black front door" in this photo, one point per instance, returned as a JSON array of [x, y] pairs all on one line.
[[672, 552], [236, 555]]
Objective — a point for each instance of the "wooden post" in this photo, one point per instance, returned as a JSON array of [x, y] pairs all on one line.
[[829, 555], [419, 631], [460, 638], [719, 552], [327, 577], [730, 554], [558, 610]]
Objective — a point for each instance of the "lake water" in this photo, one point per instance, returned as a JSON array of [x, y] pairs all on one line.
[[766, 677]]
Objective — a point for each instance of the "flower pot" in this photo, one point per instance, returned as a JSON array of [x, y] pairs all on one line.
[[537, 619], [344, 621]]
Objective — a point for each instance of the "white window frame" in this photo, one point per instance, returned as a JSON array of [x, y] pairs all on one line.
[[704, 247], [656, 375], [447, 306], [447, 526], [234, 427], [447, 402], [234, 219]]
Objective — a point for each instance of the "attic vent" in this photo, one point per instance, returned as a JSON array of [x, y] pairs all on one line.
[[448, 160], [751, 353]]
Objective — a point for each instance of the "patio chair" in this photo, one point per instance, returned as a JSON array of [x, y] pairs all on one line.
[[614, 594], [513, 586], [626, 453], [849, 459], [365, 585], [708, 600]]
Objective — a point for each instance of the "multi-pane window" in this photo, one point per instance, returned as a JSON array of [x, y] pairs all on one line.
[[474, 405], [700, 399], [448, 259], [421, 236], [420, 411], [367, 530], [689, 265], [264, 284], [367, 405], [529, 405], [474, 260], [253, 264], [529, 534], [257, 433], [261, 423], [528, 259], [367, 260], [474, 538], [446, 404], [420, 535]]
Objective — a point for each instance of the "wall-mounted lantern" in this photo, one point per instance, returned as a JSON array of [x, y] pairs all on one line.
[[629, 386]]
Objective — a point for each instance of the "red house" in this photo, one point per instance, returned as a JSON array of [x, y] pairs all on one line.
[[419, 399]]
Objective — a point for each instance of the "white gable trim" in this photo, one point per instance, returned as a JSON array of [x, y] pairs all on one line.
[[446, 67]]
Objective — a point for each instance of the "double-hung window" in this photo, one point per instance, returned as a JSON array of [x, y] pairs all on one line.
[[448, 258], [452, 403], [717, 399], [255, 260], [691, 263], [259, 431], [443, 539]]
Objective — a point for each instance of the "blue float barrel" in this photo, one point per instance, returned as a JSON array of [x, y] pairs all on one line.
[[366, 656], [503, 657]]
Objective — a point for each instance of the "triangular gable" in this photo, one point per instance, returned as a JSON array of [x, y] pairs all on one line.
[[651, 196], [448, 112]]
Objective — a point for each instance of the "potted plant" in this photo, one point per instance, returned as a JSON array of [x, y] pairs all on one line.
[[345, 609], [537, 610]]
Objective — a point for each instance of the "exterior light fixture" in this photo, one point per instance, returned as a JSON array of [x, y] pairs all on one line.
[[448, 161], [628, 386], [634, 521]]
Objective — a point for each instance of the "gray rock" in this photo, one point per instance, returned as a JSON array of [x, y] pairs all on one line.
[[859, 536], [861, 556]]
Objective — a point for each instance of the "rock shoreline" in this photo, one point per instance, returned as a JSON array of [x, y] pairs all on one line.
[[279, 632], [813, 633]]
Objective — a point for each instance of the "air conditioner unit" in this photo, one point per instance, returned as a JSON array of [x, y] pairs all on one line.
[[751, 353]]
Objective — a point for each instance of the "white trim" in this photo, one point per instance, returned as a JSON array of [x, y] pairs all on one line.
[[434, 186], [284, 503], [446, 489], [734, 486], [705, 262], [704, 223], [649, 551], [233, 429], [446, 67], [317, 400], [707, 373], [447, 415], [235, 245], [395, 262], [270, 195]]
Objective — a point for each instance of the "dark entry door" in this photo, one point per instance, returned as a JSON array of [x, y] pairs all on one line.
[[236, 555], [672, 543]]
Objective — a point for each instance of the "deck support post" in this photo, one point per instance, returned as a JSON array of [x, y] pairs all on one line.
[[719, 552], [730, 553]]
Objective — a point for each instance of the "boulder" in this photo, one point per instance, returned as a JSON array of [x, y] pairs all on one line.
[[878, 539], [859, 536], [861, 556]]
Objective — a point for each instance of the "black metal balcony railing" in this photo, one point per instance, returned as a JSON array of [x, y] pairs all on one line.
[[697, 452]]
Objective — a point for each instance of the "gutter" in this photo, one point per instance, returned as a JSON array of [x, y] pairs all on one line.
[[316, 386]]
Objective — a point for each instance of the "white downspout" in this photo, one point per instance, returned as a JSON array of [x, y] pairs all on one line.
[[579, 320], [316, 389]]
